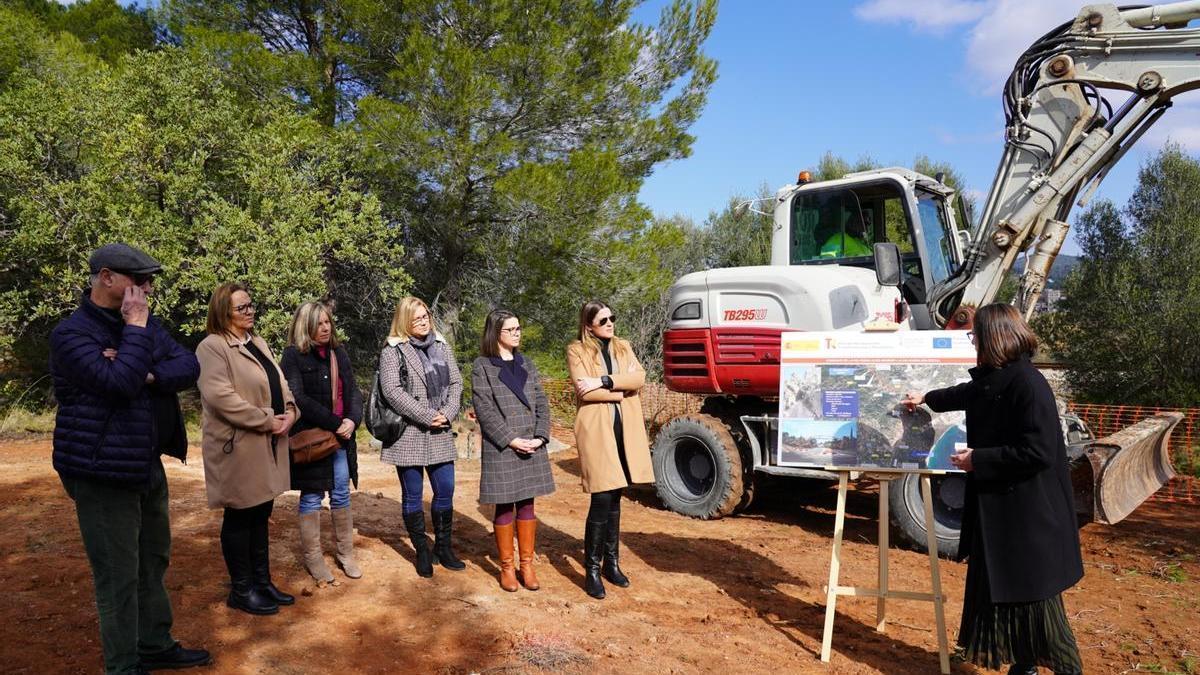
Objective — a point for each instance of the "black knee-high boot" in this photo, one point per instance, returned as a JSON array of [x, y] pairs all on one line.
[[260, 562], [235, 547], [443, 554], [612, 544], [593, 553], [415, 523]]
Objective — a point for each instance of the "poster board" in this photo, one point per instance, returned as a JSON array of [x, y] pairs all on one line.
[[840, 392]]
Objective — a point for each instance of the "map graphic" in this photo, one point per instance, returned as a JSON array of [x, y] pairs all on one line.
[[839, 399]]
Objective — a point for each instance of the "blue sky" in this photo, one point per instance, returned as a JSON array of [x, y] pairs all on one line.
[[890, 79]]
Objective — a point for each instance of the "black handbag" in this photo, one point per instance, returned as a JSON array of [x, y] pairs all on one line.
[[383, 422]]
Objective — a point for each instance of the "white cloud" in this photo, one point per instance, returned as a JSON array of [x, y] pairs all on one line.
[[936, 15], [997, 31], [1005, 31]]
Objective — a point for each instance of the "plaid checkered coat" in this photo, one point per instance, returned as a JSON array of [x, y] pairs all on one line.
[[509, 476], [419, 445]]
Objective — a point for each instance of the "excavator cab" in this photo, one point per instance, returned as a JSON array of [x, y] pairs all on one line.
[[837, 223]]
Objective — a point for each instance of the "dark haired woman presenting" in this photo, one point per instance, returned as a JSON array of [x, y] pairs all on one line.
[[1019, 530]]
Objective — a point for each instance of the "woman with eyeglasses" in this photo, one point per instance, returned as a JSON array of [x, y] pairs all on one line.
[[428, 398], [514, 421], [1019, 530], [610, 435], [248, 410]]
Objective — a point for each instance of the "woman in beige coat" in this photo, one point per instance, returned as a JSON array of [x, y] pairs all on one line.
[[248, 410], [610, 435]]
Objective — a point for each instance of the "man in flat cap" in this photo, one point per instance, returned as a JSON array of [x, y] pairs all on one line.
[[116, 376]]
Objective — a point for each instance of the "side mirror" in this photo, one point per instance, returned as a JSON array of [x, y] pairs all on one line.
[[964, 241], [888, 269]]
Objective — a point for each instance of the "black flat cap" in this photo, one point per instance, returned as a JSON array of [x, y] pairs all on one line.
[[123, 258]]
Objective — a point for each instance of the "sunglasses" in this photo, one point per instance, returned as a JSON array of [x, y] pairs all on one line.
[[139, 278], [611, 318], [246, 309]]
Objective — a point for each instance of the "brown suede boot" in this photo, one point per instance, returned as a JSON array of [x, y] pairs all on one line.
[[504, 543], [343, 534], [526, 540], [310, 543]]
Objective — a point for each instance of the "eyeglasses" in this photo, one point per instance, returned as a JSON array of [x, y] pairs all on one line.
[[246, 309], [515, 330], [424, 318], [138, 278], [611, 318]]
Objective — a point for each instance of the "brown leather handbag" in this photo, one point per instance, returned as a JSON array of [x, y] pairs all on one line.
[[312, 445]]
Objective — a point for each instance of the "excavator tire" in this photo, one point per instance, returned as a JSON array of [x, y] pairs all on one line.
[[697, 467], [908, 511]]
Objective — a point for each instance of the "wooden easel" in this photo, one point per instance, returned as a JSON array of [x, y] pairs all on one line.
[[882, 593]]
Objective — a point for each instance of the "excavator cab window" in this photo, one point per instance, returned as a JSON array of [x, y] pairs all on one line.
[[840, 224], [935, 230]]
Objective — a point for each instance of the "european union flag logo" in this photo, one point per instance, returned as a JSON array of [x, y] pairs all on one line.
[[941, 343]]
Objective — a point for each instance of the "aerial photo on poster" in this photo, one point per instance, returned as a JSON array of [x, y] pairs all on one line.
[[840, 393]]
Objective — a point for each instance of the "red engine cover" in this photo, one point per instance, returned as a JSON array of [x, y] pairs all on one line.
[[730, 360]]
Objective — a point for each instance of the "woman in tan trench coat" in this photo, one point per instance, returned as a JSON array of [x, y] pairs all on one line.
[[610, 435], [248, 410]]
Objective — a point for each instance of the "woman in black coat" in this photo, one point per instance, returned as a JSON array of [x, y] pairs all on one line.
[[306, 364], [1019, 534]]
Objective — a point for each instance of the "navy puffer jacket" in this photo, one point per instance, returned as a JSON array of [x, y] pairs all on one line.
[[105, 429]]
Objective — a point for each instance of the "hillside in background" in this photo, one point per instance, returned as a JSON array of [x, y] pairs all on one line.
[[1062, 266]]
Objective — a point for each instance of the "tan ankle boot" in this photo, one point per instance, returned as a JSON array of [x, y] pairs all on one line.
[[526, 540], [310, 544], [504, 543], [343, 533]]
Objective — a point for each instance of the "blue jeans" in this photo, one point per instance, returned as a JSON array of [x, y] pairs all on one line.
[[339, 497], [441, 478]]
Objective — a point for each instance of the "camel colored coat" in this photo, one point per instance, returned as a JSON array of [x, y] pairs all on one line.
[[599, 463], [240, 467]]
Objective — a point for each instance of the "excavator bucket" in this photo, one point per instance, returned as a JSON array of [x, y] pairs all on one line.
[[1119, 472]]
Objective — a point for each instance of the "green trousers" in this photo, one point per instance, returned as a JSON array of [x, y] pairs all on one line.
[[127, 535]]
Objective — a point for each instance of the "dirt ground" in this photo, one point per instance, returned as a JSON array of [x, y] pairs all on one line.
[[740, 595]]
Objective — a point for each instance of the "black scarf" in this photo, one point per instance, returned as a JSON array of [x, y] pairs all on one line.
[[513, 375], [606, 352], [437, 372]]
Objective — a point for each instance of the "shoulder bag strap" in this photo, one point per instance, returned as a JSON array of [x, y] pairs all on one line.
[[334, 382]]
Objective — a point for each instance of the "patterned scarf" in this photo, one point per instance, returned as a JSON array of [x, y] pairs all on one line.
[[437, 372]]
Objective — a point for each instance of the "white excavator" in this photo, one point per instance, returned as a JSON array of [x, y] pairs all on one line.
[[892, 247]]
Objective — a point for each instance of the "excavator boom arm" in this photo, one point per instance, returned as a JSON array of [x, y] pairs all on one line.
[[1063, 135]]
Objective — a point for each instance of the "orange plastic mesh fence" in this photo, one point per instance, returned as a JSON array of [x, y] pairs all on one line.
[[562, 400], [1185, 456]]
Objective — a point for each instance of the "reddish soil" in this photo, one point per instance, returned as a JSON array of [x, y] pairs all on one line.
[[738, 595]]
